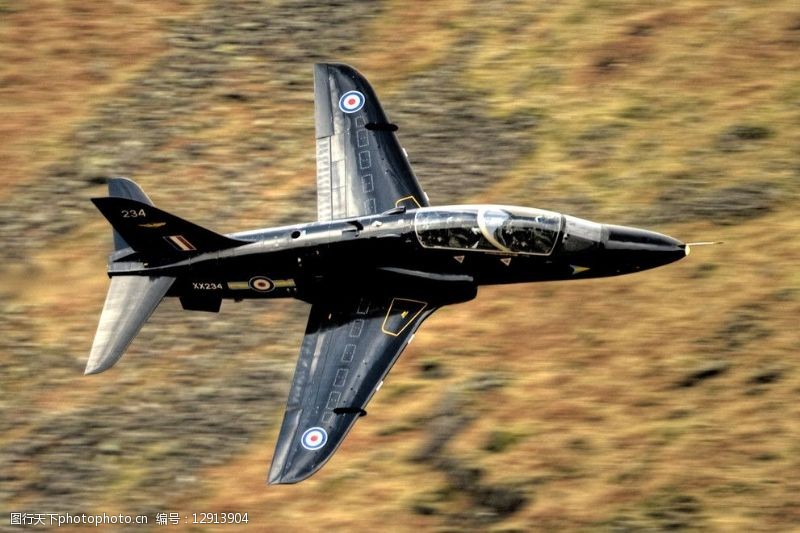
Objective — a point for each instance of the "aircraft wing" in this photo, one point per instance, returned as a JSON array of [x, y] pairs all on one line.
[[361, 167], [348, 349]]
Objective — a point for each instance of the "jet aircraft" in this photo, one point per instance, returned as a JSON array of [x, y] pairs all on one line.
[[374, 265]]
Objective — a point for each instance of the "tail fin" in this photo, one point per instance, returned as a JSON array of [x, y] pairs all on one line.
[[157, 234], [125, 188], [129, 303]]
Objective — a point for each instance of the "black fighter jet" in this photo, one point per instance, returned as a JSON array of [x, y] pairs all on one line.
[[377, 262]]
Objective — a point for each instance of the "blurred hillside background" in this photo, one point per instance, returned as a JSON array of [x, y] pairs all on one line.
[[662, 400]]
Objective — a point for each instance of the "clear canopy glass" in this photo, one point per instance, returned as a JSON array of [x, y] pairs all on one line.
[[516, 230]]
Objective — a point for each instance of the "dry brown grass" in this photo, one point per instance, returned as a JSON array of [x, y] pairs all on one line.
[[632, 102], [57, 59]]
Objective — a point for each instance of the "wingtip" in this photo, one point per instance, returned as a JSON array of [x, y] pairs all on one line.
[[282, 481], [291, 477], [276, 476], [274, 479]]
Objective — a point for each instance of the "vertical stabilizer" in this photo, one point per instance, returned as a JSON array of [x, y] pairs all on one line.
[[125, 188], [129, 303]]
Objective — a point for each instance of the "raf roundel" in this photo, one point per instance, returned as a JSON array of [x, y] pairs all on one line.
[[261, 284], [351, 101], [314, 438]]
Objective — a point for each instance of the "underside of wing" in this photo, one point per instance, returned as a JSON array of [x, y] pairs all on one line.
[[348, 349], [361, 167]]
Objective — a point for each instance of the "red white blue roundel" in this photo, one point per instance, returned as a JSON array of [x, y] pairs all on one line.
[[261, 284], [351, 101], [314, 438]]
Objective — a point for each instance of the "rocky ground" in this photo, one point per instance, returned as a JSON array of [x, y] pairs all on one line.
[[664, 400]]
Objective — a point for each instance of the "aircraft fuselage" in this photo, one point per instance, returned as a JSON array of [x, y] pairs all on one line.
[[477, 245]]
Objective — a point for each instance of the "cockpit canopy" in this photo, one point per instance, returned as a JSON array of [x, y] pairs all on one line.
[[516, 230]]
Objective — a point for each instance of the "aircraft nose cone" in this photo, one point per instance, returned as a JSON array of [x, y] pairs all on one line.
[[625, 238], [632, 249]]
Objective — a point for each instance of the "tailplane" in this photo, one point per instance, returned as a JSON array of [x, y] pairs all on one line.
[[129, 303]]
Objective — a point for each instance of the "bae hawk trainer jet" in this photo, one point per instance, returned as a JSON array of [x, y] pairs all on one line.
[[377, 262]]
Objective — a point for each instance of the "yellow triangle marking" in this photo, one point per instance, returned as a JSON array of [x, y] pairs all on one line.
[[404, 314]]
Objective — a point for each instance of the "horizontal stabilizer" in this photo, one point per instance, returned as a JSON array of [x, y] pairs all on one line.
[[156, 233], [129, 303]]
